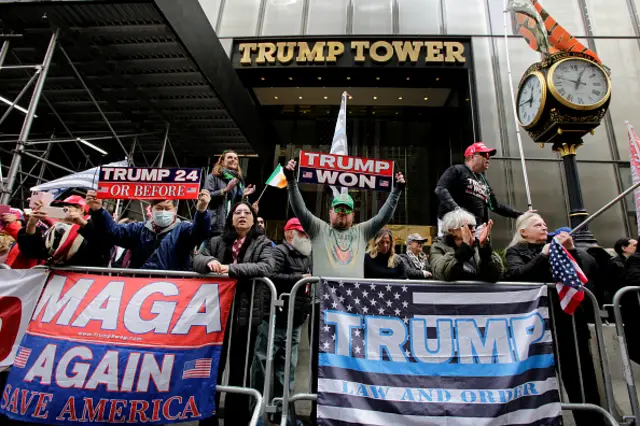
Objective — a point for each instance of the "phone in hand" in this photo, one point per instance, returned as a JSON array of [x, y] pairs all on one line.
[[45, 197], [55, 212]]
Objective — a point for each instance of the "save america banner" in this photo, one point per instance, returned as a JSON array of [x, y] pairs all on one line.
[[103, 349], [402, 354]]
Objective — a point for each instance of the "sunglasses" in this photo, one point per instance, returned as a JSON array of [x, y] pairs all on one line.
[[345, 210], [484, 154]]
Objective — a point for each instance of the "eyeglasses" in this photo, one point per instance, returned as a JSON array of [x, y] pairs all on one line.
[[242, 213], [345, 210], [484, 154]]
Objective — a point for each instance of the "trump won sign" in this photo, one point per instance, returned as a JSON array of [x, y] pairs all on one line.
[[103, 349], [345, 171], [402, 354], [141, 183]]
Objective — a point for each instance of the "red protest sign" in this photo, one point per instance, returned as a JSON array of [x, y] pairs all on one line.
[[143, 183], [345, 171]]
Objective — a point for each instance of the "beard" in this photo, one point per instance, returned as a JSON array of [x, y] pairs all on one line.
[[302, 245]]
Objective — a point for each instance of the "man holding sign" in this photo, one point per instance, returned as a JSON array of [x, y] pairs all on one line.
[[164, 242]]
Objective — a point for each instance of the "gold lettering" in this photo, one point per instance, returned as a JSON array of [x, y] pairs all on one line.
[[286, 51], [336, 48], [359, 46], [434, 51], [265, 53], [381, 58], [314, 55], [454, 51], [411, 48], [246, 49]]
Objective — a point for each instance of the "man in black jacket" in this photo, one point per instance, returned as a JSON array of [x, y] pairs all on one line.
[[292, 263], [465, 186]]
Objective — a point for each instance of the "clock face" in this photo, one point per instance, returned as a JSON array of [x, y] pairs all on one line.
[[579, 83], [531, 98]]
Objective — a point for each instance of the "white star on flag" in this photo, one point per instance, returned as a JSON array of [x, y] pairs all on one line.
[[372, 286], [380, 295], [365, 293], [388, 287]]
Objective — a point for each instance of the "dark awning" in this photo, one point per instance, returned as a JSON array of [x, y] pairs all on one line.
[[146, 63]]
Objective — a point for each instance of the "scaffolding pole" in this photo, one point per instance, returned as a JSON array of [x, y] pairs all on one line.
[[3, 52], [28, 120], [17, 99]]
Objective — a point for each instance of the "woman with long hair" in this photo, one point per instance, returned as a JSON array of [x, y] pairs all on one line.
[[381, 260], [226, 185], [242, 252]]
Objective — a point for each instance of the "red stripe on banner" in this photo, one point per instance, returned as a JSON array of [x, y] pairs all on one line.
[[185, 312], [574, 302]]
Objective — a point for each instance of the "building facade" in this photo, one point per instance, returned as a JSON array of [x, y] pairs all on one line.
[[412, 134]]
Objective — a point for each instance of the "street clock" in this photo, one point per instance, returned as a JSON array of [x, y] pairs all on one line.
[[565, 94]]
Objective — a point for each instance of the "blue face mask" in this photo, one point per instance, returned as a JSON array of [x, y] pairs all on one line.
[[163, 218]]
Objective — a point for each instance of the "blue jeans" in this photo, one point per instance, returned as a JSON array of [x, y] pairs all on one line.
[[260, 359]]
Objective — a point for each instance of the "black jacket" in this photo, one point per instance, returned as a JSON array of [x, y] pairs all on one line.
[[256, 261], [459, 187], [412, 271], [525, 262], [290, 265], [215, 184], [632, 270], [377, 267]]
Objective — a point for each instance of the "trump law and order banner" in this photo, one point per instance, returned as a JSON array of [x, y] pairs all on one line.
[[19, 292], [345, 171], [143, 183], [400, 354], [103, 349]]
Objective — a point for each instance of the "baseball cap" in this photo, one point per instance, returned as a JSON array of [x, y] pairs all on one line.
[[559, 230], [416, 237], [75, 200], [342, 200], [477, 148], [293, 224]]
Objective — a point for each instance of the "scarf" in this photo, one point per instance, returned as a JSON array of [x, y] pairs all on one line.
[[419, 261], [62, 242], [228, 175]]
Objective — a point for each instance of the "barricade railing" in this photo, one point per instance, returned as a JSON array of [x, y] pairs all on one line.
[[624, 348], [245, 389], [288, 399]]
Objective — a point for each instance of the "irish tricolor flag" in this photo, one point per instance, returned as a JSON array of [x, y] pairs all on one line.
[[277, 178]]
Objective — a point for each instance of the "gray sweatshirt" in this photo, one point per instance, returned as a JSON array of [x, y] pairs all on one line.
[[340, 253]]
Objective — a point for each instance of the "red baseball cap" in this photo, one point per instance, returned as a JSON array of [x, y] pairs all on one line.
[[294, 224], [75, 200], [478, 148]]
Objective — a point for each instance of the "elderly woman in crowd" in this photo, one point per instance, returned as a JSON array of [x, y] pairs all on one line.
[[242, 252], [460, 256], [528, 260], [381, 260], [227, 187]]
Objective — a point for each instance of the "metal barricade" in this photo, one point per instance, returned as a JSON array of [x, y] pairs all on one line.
[[288, 400], [245, 389], [624, 349]]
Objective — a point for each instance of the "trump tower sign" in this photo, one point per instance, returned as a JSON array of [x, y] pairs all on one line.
[[140, 183], [345, 171], [103, 349]]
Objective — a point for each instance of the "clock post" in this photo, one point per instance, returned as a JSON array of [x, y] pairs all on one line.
[[560, 99]]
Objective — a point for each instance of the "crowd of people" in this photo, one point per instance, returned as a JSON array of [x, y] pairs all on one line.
[[226, 236]]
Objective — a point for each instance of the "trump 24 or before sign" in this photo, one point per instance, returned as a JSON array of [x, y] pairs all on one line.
[[142, 183], [345, 171]]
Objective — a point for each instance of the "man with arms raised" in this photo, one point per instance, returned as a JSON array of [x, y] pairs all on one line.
[[339, 247]]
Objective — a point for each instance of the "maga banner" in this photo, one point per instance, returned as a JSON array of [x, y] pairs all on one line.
[[398, 354], [105, 349]]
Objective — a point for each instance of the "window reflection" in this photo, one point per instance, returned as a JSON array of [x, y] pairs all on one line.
[[419, 16], [282, 17], [327, 17], [239, 18], [465, 17], [372, 17]]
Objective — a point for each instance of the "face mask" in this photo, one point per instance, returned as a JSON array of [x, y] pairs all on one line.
[[302, 245], [163, 218]]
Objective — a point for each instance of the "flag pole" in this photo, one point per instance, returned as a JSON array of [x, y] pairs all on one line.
[[262, 193], [606, 207], [513, 105]]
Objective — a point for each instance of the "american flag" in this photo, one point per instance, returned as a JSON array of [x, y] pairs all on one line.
[[307, 174], [197, 369], [192, 190], [384, 183], [22, 357], [568, 276]]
